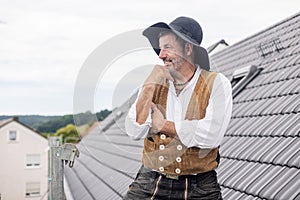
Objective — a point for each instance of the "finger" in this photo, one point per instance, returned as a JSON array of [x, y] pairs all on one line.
[[153, 106], [152, 131], [168, 75], [163, 72]]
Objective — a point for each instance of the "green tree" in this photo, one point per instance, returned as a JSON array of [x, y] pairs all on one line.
[[102, 114], [69, 134], [53, 125]]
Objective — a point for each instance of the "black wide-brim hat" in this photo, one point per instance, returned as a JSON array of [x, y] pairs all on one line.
[[186, 28]]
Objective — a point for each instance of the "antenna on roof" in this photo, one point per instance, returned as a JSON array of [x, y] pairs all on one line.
[[217, 44], [269, 47]]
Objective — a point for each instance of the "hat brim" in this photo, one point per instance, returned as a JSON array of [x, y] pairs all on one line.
[[152, 34]]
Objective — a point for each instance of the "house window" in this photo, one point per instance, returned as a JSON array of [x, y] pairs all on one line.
[[33, 160], [32, 189], [242, 77], [12, 135]]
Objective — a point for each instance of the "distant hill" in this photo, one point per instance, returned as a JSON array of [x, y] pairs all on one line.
[[32, 120], [50, 124]]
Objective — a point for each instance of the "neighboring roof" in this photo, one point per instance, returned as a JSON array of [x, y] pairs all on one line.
[[260, 154], [4, 122]]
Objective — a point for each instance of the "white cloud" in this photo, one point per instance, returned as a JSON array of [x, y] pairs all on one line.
[[43, 44]]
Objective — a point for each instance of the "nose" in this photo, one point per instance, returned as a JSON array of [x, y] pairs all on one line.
[[162, 54]]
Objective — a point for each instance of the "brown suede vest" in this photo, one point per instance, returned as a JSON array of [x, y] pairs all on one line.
[[169, 155]]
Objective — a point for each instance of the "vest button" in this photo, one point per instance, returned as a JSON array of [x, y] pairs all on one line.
[[179, 147], [161, 158], [161, 169], [178, 159], [161, 147], [162, 136], [177, 170]]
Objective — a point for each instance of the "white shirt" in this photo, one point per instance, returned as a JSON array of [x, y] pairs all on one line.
[[206, 133]]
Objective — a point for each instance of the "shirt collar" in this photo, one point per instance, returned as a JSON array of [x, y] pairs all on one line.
[[191, 83]]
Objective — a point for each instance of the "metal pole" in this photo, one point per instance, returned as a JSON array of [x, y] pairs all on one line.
[[59, 155], [56, 190]]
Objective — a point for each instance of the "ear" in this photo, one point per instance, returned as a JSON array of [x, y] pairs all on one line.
[[188, 49]]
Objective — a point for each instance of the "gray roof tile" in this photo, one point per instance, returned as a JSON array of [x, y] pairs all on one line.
[[291, 189], [278, 183]]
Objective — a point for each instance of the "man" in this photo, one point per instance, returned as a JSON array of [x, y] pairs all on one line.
[[182, 112]]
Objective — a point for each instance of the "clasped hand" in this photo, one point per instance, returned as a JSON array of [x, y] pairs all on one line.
[[158, 75], [158, 120]]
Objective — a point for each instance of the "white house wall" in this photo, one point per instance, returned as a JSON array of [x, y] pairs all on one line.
[[13, 171]]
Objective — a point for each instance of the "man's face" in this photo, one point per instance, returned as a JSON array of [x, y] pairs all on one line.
[[171, 52]]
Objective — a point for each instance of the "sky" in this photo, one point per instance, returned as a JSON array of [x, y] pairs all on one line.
[[46, 45]]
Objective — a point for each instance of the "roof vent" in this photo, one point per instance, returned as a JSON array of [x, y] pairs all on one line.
[[242, 77]]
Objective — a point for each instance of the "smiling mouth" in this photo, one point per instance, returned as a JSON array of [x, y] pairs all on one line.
[[168, 61]]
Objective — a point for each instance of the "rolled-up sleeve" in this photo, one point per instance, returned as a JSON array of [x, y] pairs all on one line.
[[208, 132], [133, 129]]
